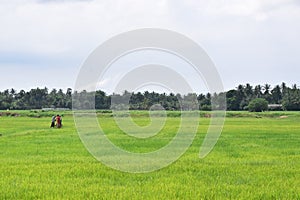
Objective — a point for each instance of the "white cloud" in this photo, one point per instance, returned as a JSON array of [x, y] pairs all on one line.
[[70, 27], [237, 34]]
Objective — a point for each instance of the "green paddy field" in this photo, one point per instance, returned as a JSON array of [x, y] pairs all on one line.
[[256, 157]]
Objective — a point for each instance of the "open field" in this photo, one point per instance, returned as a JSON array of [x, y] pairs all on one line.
[[256, 157]]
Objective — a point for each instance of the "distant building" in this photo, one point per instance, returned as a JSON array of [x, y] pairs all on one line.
[[275, 106], [60, 109], [47, 109]]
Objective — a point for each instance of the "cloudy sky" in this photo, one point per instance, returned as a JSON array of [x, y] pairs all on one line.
[[45, 42]]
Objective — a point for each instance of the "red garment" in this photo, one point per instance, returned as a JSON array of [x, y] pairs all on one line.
[[58, 119]]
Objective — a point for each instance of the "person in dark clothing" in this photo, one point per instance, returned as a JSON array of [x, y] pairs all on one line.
[[53, 122]]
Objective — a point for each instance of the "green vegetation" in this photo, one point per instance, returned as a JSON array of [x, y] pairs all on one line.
[[258, 105], [256, 157], [284, 98]]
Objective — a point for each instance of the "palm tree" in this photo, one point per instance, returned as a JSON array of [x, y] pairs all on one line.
[[248, 91], [257, 91], [283, 88], [276, 95], [267, 88]]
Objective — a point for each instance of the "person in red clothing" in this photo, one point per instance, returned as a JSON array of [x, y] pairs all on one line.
[[58, 121]]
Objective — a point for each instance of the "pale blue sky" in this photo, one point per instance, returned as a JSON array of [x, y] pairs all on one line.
[[44, 43]]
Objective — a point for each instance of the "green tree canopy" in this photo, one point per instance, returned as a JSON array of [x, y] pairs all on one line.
[[258, 105]]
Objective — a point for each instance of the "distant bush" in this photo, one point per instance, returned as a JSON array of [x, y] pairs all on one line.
[[258, 105], [103, 111], [205, 107]]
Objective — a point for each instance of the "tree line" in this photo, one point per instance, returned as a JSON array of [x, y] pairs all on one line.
[[284, 97]]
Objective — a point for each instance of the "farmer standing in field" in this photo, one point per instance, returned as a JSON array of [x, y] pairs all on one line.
[[53, 122], [58, 121]]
